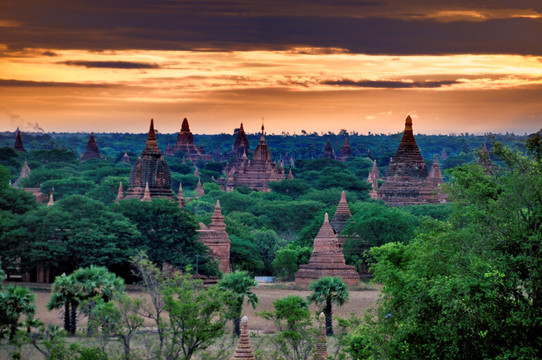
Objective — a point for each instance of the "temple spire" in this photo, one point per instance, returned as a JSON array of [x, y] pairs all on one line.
[[91, 151], [147, 193], [243, 350], [320, 351], [373, 174], [120, 193], [19, 142], [290, 175], [151, 139], [199, 189], [180, 196], [51, 199], [185, 127]]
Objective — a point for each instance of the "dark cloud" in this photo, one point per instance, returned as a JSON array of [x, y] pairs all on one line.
[[40, 84], [382, 84], [49, 53], [372, 27], [112, 64]]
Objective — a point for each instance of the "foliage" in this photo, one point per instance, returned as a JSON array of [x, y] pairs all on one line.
[[15, 301], [327, 291], [292, 188], [168, 234], [288, 259], [197, 317], [239, 284], [469, 287], [296, 336], [267, 243], [75, 232], [83, 285]]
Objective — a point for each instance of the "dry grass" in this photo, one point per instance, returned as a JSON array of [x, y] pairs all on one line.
[[361, 298], [359, 301]]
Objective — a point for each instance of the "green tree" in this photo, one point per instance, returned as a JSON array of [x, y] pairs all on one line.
[[267, 243], [469, 287], [197, 317], [75, 232], [15, 301], [327, 291], [292, 188], [239, 284], [168, 234], [83, 285], [293, 319]]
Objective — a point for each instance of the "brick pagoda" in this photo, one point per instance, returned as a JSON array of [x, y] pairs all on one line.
[[151, 171], [255, 173], [216, 239], [185, 144], [91, 152], [342, 214], [406, 181], [329, 153], [327, 259], [345, 151], [19, 142]]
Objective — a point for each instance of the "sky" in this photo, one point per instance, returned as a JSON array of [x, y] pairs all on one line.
[[454, 66]]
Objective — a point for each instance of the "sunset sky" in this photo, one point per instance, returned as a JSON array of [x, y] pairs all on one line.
[[106, 66]]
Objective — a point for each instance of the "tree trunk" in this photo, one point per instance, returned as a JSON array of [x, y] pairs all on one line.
[[13, 331], [329, 318], [126, 342], [67, 316], [73, 319], [237, 326]]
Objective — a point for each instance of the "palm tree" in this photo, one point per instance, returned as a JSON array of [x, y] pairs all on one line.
[[63, 294], [327, 291], [15, 301], [81, 286], [239, 284]]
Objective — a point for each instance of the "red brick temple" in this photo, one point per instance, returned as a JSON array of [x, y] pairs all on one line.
[[327, 259], [255, 173], [185, 144], [406, 181], [151, 172], [91, 152], [216, 238]]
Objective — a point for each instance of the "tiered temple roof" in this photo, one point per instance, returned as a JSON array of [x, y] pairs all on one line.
[[329, 153], [216, 239], [91, 152], [373, 174], [342, 214], [243, 350], [185, 144], [435, 174], [25, 172], [241, 144], [346, 150], [327, 259], [255, 173], [150, 170], [19, 142], [406, 181]]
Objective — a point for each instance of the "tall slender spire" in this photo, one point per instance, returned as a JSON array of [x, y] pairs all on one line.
[[19, 142], [320, 351], [151, 143], [185, 127], [243, 350], [342, 214], [373, 174], [180, 196], [51, 199], [147, 193], [120, 193]]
